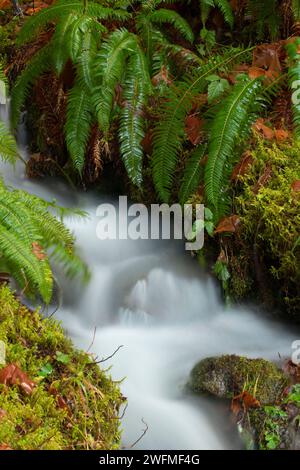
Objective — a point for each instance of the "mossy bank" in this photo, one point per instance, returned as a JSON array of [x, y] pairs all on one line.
[[72, 403]]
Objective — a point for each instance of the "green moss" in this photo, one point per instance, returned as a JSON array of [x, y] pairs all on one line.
[[229, 375], [74, 405], [270, 216]]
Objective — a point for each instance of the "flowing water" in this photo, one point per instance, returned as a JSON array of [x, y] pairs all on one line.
[[152, 299]]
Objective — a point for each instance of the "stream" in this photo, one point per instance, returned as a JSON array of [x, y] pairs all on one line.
[[151, 299]]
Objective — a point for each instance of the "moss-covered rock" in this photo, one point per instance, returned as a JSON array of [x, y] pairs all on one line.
[[227, 376], [74, 404]]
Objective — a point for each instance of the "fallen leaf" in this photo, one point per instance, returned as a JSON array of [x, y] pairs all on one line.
[[263, 179], [296, 186], [2, 413], [293, 370], [242, 167], [267, 57], [162, 76], [5, 4], [256, 72], [38, 251], [245, 400], [13, 375], [193, 128], [228, 224], [38, 6], [5, 447], [264, 130], [281, 135]]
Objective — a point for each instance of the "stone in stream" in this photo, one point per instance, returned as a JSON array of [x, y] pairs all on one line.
[[273, 423], [227, 376]]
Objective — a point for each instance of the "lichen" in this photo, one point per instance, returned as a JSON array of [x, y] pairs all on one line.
[[74, 405]]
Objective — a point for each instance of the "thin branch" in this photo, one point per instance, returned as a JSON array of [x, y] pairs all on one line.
[[107, 358], [93, 340], [142, 435]]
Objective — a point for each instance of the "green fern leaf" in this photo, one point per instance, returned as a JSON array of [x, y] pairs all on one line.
[[233, 115], [163, 16], [78, 125], [192, 174]]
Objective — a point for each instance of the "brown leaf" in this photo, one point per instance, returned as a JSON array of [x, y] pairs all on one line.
[[296, 186], [293, 370], [38, 251], [243, 166], [193, 127], [5, 447], [246, 399], [267, 57], [147, 142], [5, 4], [38, 6], [256, 72], [2, 413], [13, 375], [228, 224], [162, 76], [263, 180], [264, 130], [281, 135]]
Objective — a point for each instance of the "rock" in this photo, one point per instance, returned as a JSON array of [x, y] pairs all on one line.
[[227, 376]]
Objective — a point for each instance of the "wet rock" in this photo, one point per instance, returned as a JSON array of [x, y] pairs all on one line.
[[227, 376]]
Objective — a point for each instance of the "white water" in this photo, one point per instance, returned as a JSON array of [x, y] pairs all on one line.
[[151, 298]]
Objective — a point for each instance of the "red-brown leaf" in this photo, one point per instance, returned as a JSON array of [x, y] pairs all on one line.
[[263, 180], [281, 135], [246, 400], [296, 186], [193, 128], [243, 166], [228, 224], [38, 251], [13, 375], [264, 130], [5, 447]]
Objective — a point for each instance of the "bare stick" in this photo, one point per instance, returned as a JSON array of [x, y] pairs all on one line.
[[107, 358], [94, 336], [142, 435]]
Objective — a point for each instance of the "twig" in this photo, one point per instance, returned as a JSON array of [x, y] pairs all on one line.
[[94, 336], [142, 435], [107, 358]]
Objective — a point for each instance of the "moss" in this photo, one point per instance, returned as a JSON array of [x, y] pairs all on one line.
[[270, 217], [229, 375], [74, 405]]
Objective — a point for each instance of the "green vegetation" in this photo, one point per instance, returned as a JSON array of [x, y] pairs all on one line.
[[72, 404]]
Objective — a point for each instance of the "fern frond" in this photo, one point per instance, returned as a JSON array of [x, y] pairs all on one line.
[[226, 10], [78, 125], [40, 63], [169, 132], [131, 130], [234, 114], [164, 16], [192, 174], [296, 10], [62, 8], [8, 146], [60, 53], [109, 67], [266, 16]]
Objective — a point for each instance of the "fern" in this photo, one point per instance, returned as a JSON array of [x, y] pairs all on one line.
[[169, 133], [192, 174], [223, 5], [235, 113], [296, 10], [78, 124], [163, 16], [62, 8], [27, 231], [266, 17], [8, 146]]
